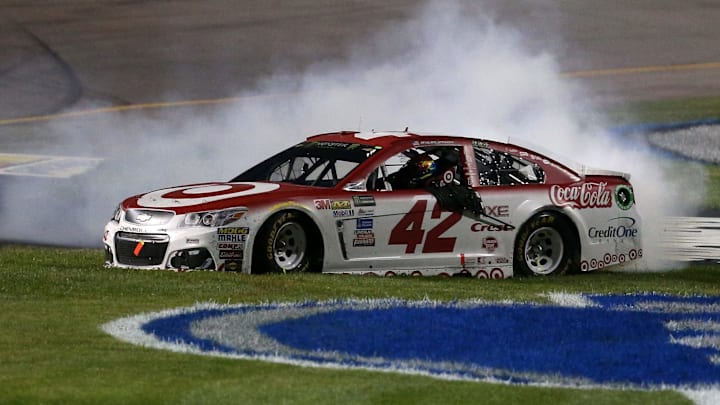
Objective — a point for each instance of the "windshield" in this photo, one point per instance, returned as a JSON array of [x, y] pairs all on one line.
[[322, 164]]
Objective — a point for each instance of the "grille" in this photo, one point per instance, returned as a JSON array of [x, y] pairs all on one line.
[[139, 249], [149, 217]]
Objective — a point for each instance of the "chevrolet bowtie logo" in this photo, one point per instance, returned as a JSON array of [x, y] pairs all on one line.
[[143, 217]]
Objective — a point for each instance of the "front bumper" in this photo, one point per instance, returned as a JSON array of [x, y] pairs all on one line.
[[180, 249]]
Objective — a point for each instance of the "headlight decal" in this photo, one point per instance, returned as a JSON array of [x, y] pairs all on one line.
[[214, 219]]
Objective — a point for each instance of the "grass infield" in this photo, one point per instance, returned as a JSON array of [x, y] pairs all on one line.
[[52, 349]]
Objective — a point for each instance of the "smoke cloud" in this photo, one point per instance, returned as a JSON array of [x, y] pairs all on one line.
[[447, 70]]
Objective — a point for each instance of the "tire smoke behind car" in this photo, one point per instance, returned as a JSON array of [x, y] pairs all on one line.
[[450, 69]]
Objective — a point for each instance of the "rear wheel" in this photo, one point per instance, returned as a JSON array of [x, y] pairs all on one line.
[[285, 244], [545, 246]]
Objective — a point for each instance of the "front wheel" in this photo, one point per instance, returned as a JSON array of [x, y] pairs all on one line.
[[283, 245], [545, 246]]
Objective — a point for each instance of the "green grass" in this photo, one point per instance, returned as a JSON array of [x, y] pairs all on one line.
[[52, 350], [712, 193], [678, 110], [54, 300]]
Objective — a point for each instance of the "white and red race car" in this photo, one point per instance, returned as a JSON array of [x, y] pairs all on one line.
[[387, 203]]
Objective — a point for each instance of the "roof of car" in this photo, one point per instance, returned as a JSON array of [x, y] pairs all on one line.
[[376, 138]]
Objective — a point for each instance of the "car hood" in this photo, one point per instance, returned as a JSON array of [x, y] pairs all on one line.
[[215, 196]]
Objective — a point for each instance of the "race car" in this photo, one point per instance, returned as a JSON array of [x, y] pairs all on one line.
[[387, 203]]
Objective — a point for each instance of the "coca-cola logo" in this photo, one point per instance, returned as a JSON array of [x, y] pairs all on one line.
[[586, 195]]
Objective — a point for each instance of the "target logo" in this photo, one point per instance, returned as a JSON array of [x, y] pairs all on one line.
[[198, 194]]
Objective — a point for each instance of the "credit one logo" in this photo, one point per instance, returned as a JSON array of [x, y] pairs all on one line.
[[620, 227]]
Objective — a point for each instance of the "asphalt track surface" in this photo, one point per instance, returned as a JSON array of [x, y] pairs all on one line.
[[81, 58], [65, 54]]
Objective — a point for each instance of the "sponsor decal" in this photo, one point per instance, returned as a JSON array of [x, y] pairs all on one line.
[[364, 200], [363, 242], [586, 195], [646, 341], [230, 254], [233, 265], [364, 237], [232, 238], [609, 259], [323, 204], [497, 210], [202, 194], [133, 229], [617, 228], [365, 212], [448, 176], [483, 260], [624, 197], [327, 204], [192, 241], [490, 243], [481, 144], [329, 144], [482, 227], [340, 205], [343, 213], [233, 231], [433, 142], [364, 223], [231, 246], [232, 235]]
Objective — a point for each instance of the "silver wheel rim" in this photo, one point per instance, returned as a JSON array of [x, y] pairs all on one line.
[[289, 246], [544, 250]]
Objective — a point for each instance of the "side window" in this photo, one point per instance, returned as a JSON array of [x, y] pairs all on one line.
[[501, 168], [418, 167], [486, 166]]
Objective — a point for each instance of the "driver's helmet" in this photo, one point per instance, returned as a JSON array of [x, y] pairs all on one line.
[[424, 167]]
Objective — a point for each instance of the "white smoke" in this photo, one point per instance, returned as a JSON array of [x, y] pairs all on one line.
[[449, 70]]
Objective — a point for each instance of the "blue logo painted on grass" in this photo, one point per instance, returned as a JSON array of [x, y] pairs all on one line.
[[646, 341]]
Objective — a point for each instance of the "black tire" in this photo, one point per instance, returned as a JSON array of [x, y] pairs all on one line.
[[287, 243], [546, 245]]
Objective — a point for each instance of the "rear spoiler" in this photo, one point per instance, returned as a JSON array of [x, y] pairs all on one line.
[[591, 171]]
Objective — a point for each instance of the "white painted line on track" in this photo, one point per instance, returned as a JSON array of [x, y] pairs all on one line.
[[691, 238], [45, 166]]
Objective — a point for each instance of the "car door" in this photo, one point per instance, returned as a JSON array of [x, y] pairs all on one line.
[[404, 225]]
